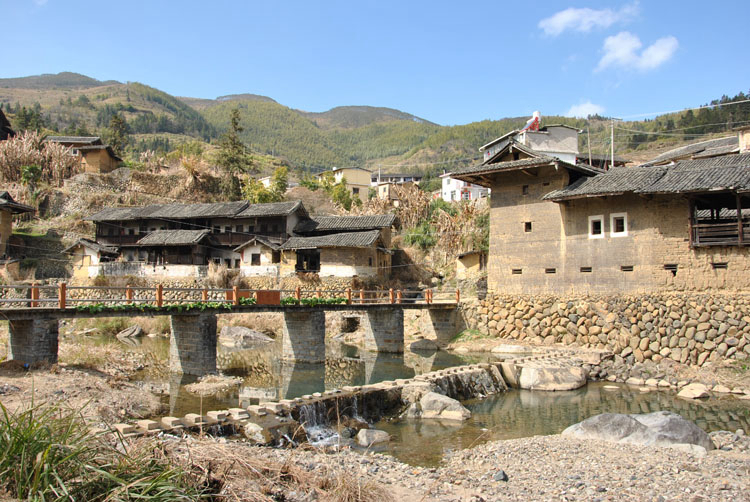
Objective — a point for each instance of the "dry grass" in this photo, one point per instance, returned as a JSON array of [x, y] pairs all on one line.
[[3, 343], [245, 477]]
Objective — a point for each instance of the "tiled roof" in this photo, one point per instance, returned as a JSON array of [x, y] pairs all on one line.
[[92, 148], [344, 223], [237, 209], [699, 175], [91, 140], [91, 245], [343, 240], [8, 204], [173, 238], [259, 240], [271, 209], [719, 146]]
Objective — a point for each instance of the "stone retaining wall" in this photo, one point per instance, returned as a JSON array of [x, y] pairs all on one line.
[[688, 328]]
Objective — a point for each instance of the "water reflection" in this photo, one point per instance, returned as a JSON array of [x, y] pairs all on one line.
[[519, 413]]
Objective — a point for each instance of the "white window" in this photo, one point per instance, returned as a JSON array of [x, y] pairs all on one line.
[[596, 226], [618, 224]]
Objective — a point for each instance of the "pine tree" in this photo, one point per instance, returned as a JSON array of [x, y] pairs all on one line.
[[232, 157], [117, 134]]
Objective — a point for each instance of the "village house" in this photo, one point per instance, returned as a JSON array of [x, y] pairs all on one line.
[[454, 189], [560, 227], [357, 180], [470, 265], [272, 239], [397, 178], [94, 156], [9, 252], [699, 150]]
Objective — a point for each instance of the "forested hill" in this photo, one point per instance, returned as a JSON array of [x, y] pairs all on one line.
[[70, 103]]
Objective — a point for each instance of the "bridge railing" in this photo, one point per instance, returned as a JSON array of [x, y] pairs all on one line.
[[63, 296]]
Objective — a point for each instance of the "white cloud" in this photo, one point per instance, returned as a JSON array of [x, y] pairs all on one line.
[[621, 50], [584, 20], [583, 110]]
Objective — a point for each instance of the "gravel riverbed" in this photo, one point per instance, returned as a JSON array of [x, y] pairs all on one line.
[[529, 469]]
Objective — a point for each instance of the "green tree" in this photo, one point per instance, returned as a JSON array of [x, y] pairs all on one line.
[[256, 192], [116, 134], [232, 157], [341, 195]]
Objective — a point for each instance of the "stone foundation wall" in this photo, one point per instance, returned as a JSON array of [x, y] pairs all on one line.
[[688, 328]]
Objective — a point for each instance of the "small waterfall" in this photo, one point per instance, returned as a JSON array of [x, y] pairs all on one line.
[[314, 419]]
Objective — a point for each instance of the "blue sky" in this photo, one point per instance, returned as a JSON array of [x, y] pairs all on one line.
[[449, 62]]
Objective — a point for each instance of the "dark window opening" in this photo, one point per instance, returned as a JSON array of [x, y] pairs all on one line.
[[228, 262], [671, 267], [586, 270], [626, 268], [619, 224], [720, 266], [596, 227], [217, 230], [515, 156], [228, 229], [238, 229], [255, 259], [131, 231], [250, 229], [525, 190], [527, 226], [516, 271], [370, 261], [264, 228], [308, 260], [355, 191], [276, 257], [550, 270], [545, 184]]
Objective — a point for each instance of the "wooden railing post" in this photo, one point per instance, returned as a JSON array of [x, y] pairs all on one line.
[[390, 296], [361, 296], [63, 288], [34, 295], [348, 296], [398, 296], [204, 295], [458, 296], [429, 296], [129, 293], [159, 295], [318, 294], [298, 293], [236, 295]]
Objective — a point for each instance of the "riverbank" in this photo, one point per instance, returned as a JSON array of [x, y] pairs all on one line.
[[537, 468]]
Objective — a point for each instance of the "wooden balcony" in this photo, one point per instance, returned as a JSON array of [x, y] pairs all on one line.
[[720, 233]]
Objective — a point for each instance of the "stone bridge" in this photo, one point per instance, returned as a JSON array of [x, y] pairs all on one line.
[[33, 331]]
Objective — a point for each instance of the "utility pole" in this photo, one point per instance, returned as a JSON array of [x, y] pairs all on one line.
[[612, 144], [588, 135]]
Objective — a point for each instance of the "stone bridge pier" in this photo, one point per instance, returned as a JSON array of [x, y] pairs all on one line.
[[192, 344], [384, 329], [304, 336], [33, 340]]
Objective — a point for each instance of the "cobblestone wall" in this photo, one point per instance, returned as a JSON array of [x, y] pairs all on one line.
[[688, 328]]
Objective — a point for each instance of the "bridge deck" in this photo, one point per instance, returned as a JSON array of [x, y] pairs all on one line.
[[23, 313]]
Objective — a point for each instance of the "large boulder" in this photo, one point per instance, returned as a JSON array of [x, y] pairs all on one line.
[[693, 391], [131, 332], [424, 345], [661, 428], [434, 405], [240, 337], [552, 378], [414, 391], [370, 437]]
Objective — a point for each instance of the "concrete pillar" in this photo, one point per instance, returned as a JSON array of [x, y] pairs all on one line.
[[192, 344], [33, 340], [384, 329], [304, 336]]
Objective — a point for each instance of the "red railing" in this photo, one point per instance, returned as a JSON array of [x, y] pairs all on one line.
[[64, 296]]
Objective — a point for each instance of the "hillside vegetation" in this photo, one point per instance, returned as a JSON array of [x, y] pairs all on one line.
[[375, 137]]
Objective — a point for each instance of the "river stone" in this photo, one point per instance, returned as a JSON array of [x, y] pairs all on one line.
[[693, 391], [256, 434], [661, 428], [413, 392], [505, 348], [423, 344], [131, 332], [369, 437], [434, 405], [552, 378]]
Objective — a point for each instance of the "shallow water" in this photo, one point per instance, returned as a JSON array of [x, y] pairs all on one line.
[[521, 413]]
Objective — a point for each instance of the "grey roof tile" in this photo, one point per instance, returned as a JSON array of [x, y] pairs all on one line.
[[344, 240], [90, 140], [173, 238], [270, 209], [331, 223], [236, 209], [729, 143]]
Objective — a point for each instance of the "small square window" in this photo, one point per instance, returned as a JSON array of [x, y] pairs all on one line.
[[525, 190], [596, 227], [586, 270], [238, 229], [228, 229], [550, 270], [618, 224], [527, 226], [626, 268], [516, 271], [255, 259]]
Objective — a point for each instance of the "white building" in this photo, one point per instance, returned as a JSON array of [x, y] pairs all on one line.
[[455, 190]]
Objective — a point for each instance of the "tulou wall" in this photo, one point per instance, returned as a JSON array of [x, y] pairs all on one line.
[[688, 328]]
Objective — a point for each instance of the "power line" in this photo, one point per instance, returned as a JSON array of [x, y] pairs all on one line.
[[718, 105]]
